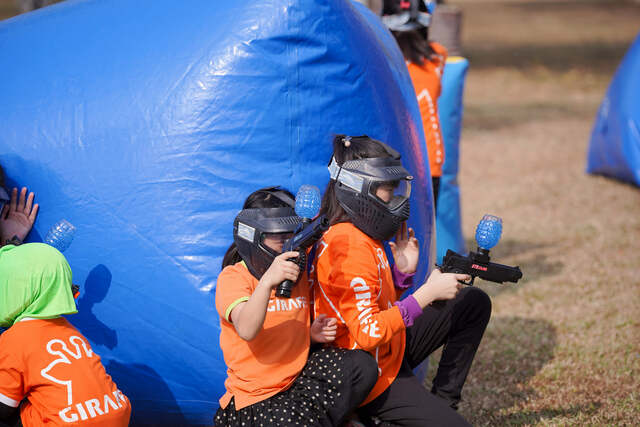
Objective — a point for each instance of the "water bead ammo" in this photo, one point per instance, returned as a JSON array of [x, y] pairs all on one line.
[[489, 231], [308, 201], [60, 235]]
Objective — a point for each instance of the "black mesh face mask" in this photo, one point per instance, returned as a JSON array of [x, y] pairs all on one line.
[[356, 188], [250, 229]]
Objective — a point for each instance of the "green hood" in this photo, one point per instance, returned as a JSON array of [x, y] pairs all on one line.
[[35, 281]]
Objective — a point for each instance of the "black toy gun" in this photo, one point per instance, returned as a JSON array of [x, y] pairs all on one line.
[[307, 233], [305, 236], [478, 264]]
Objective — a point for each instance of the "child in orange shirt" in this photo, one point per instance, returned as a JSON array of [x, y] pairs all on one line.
[[409, 23], [273, 378], [367, 202], [47, 368]]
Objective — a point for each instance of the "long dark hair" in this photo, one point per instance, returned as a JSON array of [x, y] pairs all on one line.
[[263, 198], [347, 148], [414, 45]]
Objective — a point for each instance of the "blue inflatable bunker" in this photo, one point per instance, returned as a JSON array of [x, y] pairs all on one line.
[[147, 123], [450, 107], [614, 149]]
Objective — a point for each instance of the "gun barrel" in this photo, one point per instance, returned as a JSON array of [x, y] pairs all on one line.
[[501, 273], [310, 233], [304, 238], [498, 273]]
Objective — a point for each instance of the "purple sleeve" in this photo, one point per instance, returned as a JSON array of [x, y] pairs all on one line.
[[409, 309], [401, 280]]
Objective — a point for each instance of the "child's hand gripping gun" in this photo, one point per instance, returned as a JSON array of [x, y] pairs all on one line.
[[307, 233], [477, 264]]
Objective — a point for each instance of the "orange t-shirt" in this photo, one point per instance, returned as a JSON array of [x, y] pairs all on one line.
[[426, 79], [353, 283], [52, 365], [268, 364]]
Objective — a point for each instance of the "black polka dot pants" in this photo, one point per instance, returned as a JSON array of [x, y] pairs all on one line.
[[331, 385]]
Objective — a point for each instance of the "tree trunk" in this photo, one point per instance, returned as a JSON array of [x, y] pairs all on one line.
[[445, 28], [29, 5]]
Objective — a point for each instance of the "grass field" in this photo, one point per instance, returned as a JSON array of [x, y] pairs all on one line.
[[563, 345]]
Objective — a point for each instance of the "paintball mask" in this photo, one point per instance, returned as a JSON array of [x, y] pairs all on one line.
[[252, 226], [407, 15], [357, 182]]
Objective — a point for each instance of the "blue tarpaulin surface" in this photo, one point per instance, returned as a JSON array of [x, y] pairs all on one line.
[[614, 149], [147, 123], [450, 108]]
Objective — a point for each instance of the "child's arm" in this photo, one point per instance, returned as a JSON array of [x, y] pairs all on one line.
[[248, 317], [348, 280], [350, 273], [439, 286]]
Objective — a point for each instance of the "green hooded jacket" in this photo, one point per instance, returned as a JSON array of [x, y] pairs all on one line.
[[35, 281]]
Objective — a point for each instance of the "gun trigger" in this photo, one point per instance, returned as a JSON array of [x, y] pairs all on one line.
[[469, 283]]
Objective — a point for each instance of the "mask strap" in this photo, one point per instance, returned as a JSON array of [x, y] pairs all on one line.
[[345, 177], [280, 194], [284, 197], [334, 169]]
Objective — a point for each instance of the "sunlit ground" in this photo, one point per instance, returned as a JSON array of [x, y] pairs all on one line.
[[563, 345]]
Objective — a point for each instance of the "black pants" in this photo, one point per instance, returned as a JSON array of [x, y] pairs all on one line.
[[457, 324], [361, 375], [332, 384], [9, 416], [13, 422], [435, 184]]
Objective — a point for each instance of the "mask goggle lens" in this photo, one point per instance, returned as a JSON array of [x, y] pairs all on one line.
[[392, 192], [275, 241]]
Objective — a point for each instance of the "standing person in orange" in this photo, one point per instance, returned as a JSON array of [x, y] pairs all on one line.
[[409, 23], [47, 368], [273, 377], [367, 202]]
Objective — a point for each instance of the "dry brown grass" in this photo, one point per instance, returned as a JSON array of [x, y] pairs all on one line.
[[7, 9], [563, 345]]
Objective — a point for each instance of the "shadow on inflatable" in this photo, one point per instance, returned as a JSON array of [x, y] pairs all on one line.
[[94, 291], [162, 410]]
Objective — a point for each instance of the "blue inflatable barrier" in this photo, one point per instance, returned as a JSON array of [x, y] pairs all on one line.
[[407, 96], [146, 124], [448, 221], [614, 149]]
